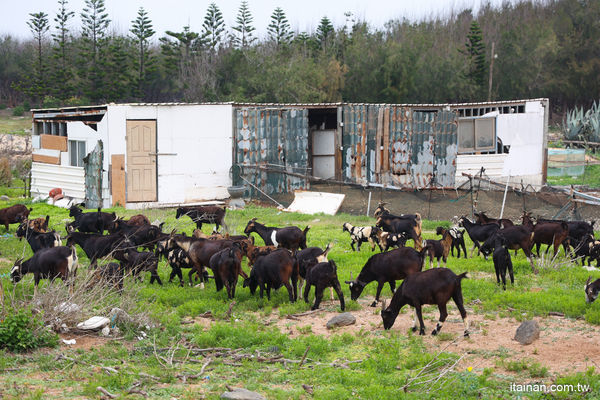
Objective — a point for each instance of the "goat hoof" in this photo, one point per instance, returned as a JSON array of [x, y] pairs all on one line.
[[434, 332], [374, 304], [422, 332], [466, 334], [414, 329]]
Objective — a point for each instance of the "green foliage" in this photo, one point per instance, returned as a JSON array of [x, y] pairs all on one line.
[[279, 28], [18, 111], [324, 30], [21, 330], [243, 27], [475, 54], [62, 73], [213, 27], [142, 30], [91, 64]]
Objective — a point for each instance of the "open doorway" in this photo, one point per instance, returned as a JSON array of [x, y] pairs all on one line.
[[323, 142]]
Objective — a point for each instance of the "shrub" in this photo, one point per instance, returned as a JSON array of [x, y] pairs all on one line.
[[5, 172], [51, 102], [18, 111], [21, 331], [2, 106]]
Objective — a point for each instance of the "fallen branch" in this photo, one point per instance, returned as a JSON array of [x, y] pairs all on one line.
[[304, 356], [106, 392], [302, 314]]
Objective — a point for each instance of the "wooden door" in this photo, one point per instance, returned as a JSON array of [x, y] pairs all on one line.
[[141, 160]]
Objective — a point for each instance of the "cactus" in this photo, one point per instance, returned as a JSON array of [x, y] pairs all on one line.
[[580, 125]]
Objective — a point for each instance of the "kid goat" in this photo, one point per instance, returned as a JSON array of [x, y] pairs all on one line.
[[359, 235]]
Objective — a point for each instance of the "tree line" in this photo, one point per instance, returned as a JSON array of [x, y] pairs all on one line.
[[529, 49]]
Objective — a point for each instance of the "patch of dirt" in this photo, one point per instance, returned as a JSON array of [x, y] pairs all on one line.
[[564, 346], [87, 341]]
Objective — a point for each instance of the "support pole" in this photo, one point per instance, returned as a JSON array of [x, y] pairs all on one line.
[[504, 199], [369, 205]]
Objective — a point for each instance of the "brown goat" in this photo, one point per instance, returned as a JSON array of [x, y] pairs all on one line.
[[550, 233], [138, 220], [439, 248], [39, 224], [14, 215]]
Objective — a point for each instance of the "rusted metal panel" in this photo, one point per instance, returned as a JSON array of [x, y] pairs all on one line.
[[272, 148], [446, 149], [92, 164]]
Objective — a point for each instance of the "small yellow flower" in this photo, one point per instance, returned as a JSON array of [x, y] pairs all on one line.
[[470, 369]]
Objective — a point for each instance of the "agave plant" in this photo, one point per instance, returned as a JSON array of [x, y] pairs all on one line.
[[580, 125]]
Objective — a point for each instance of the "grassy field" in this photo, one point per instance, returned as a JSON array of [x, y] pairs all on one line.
[[362, 361], [14, 125]]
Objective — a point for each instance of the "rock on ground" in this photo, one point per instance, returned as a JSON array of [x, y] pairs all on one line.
[[242, 394], [527, 332], [342, 319]]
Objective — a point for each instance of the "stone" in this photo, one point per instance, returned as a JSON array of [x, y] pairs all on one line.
[[93, 324], [342, 319], [242, 394], [105, 331], [4, 198], [527, 332], [118, 316]]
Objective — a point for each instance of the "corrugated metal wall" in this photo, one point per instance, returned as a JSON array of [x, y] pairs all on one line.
[[398, 146], [269, 142]]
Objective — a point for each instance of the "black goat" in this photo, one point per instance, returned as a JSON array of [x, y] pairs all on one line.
[[55, 262], [434, 286], [290, 237], [515, 237], [144, 236], [273, 271], [136, 262], [96, 246], [321, 276], [583, 249], [408, 226], [110, 274], [309, 257], [91, 222], [387, 267], [591, 290], [478, 232], [178, 259], [359, 235], [204, 215], [502, 260], [37, 240], [226, 266]]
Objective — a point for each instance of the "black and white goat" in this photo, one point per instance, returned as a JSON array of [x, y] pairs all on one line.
[[458, 239], [387, 240], [591, 290], [38, 240], [359, 235], [434, 286]]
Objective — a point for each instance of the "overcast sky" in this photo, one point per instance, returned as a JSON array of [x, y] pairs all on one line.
[[303, 15]]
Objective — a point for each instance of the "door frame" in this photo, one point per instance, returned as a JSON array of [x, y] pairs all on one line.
[[127, 120]]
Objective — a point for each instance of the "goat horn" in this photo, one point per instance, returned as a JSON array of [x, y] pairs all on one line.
[[588, 281], [351, 278]]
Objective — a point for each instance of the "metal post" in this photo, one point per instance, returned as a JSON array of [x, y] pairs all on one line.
[[369, 205], [504, 199], [472, 204]]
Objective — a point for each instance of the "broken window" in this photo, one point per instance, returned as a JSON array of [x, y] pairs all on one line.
[[476, 135], [76, 153]]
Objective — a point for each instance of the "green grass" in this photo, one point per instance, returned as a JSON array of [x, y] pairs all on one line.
[[591, 178], [389, 357], [15, 125]]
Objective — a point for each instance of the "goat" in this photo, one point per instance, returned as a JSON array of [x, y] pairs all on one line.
[[273, 271], [484, 219], [138, 220], [515, 237], [502, 260], [38, 224], [477, 232], [55, 262], [582, 249], [14, 215], [256, 251], [136, 262], [577, 229], [290, 237], [178, 259], [438, 248], [382, 211], [37, 240], [386, 267], [145, 236], [96, 246], [395, 224], [386, 240], [227, 266], [323, 275], [309, 257], [591, 290], [204, 215], [91, 222], [550, 233], [434, 286], [458, 239], [359, 235]]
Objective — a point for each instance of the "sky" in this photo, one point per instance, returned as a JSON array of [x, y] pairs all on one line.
[[303, 15]]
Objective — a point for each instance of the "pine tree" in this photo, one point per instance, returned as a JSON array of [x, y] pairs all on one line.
[[142, 31], [324, 30], [244, 27], [117, 66], [213, 27], [94, 28], [475, 53], [37, 86], [279, 28], [63, 70]]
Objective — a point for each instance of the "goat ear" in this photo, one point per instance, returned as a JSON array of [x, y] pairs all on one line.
[[588, 281], [251, 240]]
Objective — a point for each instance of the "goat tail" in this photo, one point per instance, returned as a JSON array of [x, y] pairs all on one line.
[[328, 248], [305, 231], [334, 266], [462, 276]]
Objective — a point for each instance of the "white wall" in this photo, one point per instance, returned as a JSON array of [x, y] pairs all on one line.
[[45, 177], [524, 133], [198, 135]]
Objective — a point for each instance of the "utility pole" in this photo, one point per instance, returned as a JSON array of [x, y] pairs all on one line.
[[494, 55]]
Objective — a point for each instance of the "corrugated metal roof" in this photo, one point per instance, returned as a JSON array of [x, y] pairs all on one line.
[[297, 105]]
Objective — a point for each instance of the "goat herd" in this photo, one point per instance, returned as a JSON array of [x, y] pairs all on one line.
[[285, 259]]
